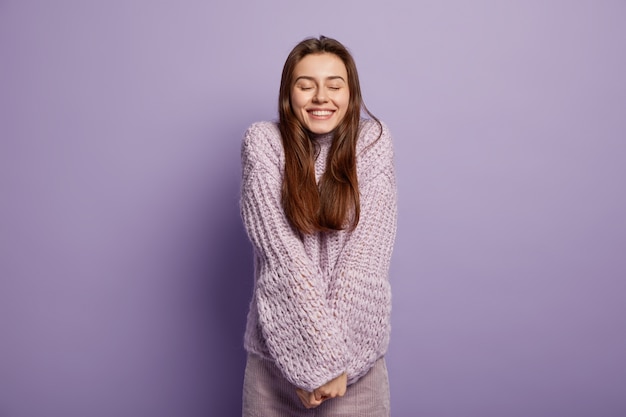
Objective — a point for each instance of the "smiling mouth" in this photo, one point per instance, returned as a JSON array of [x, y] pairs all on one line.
[[321, 113]]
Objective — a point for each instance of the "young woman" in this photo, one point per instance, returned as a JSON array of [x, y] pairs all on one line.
[[319, 205]]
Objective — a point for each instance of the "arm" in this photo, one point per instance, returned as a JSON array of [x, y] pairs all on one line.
[[361, 295], [299, 328]]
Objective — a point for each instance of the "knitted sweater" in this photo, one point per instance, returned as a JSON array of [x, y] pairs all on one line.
[[322, 302]]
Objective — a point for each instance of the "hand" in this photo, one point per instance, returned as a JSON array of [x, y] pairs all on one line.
[[308, 398], [333, 388]]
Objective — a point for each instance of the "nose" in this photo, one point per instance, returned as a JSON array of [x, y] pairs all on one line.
[[320, 96]]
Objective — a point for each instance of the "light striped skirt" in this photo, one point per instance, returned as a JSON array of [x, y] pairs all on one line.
[[266, 393]]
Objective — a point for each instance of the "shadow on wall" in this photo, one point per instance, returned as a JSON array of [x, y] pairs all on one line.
[[230, 290]]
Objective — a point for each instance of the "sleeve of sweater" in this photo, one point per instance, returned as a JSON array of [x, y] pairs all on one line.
[[299, 328], [361, 294]]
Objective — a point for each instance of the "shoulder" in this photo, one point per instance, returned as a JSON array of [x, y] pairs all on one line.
[[261, 135], [262, 144], [374, 146]]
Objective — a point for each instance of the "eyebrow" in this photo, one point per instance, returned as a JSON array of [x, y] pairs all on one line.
[[332, 77]]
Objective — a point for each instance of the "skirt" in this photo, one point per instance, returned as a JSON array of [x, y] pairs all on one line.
[[266, 393]]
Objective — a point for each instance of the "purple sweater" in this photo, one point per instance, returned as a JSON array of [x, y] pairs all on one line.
[[322, 302]]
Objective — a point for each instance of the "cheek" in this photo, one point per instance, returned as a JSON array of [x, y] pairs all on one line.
[[345, 101], [297, 101]]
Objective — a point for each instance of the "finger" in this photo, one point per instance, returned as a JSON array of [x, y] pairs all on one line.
[[304, 398], [325, 393], [318, 394], [313, 400]]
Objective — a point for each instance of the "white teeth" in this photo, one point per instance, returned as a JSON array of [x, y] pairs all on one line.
[[321, 113]]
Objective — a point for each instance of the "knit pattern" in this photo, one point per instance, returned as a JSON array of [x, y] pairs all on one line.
[[322, 302]]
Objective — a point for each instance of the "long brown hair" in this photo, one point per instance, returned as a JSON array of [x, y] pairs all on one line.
[[334, 205]]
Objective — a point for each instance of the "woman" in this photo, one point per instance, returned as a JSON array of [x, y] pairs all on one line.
[[319, 205]]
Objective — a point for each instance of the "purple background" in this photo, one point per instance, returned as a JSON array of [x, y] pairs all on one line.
[[125, 273]]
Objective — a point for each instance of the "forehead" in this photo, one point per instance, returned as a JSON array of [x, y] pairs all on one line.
[[320, 66]]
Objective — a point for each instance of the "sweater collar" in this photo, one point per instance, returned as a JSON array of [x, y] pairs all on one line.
[[322, 139]]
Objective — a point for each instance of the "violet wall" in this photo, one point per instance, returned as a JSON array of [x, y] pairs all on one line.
[[125, 273]]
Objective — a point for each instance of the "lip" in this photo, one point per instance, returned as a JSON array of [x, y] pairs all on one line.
[[322, 114]]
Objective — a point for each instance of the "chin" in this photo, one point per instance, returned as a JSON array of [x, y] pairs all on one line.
[[321, 129]]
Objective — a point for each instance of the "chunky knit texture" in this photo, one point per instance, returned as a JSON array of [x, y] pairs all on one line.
[[322, 302]]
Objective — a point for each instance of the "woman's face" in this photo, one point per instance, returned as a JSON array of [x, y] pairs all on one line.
[[320, 94]]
